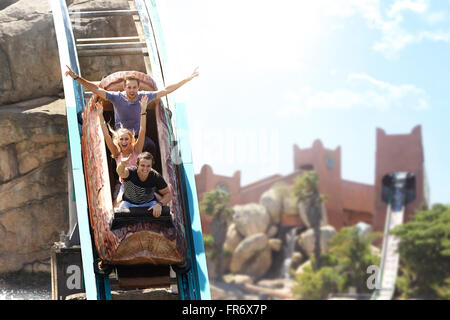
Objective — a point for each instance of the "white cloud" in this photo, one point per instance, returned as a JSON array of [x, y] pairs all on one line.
[[395, 36], [435, 17], [362, 91], [434, 36], [419, 6], [391, 21]]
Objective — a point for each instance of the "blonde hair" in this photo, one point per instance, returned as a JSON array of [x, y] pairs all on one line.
[[116, 135]]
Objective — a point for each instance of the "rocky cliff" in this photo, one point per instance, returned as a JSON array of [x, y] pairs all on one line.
[[33, 181]]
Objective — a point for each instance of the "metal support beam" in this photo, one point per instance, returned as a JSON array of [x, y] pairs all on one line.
[[106, 40], [113, 52], [105, 46], [102, 13]]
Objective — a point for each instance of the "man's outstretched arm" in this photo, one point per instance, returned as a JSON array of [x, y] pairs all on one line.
[[86, 84], [173, 87]]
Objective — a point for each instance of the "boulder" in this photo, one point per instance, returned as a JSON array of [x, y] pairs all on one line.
[[237, 279], [302, 267], [273, 204], [296, 259], [276, 283], [272, 283], [233, 238], [27, 27], [275, 244], [272, 231], [306, 239], [290, 206], [253, 256], [260, 264], [251, 219], [246, 249]]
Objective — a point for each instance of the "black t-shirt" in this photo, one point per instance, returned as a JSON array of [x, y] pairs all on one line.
[[139, 192]]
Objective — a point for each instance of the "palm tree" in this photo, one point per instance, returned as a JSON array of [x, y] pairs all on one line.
[[306, 190], [216, 204]]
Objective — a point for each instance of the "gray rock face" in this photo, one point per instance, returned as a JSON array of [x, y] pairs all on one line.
[[33, 181], [29, 52]]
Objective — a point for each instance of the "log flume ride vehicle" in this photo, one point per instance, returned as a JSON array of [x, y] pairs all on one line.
[[140, 238]]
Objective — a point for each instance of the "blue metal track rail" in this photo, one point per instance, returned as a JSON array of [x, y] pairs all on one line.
[[74, 96]]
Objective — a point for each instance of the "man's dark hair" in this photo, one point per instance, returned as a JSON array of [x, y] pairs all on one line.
[[144, 155], [127, 78]]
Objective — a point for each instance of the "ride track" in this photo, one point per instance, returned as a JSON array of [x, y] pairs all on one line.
[[397, 197], [193, 284]]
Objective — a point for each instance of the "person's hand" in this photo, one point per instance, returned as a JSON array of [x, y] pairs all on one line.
[[70, 73], [124, 161], [144, 103], [99, 107], [156, 210], [194, 74]]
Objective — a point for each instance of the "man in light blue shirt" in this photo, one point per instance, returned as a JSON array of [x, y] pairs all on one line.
[[126, 103], [126, 112]]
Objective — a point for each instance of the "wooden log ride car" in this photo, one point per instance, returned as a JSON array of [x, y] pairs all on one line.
[[137, 241]]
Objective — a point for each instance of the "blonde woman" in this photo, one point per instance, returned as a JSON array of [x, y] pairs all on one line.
[[123, 144]]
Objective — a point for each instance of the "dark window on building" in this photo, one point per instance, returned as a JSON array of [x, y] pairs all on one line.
[[222, 186], [307, 167], [330, 162]]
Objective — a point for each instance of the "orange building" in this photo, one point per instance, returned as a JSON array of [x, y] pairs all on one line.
[[348, 202]]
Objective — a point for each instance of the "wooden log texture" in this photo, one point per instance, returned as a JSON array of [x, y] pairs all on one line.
[[139, 243]]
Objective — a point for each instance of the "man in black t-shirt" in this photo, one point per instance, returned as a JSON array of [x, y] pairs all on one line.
[[140, 184]]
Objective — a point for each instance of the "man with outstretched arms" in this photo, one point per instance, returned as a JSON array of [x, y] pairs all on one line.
[[127, 111]]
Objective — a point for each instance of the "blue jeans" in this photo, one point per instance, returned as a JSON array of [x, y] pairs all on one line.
[[126, 204]]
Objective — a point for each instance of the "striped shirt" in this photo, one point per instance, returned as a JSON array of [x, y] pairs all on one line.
[[139, 192]]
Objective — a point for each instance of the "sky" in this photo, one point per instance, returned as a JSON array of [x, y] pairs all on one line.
[[278, 73]]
